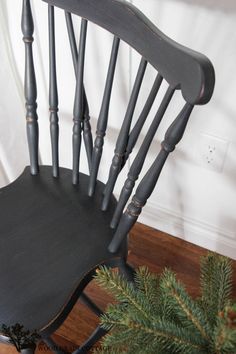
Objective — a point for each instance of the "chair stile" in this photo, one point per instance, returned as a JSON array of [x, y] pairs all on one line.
[[53, 93], [145, 188], [86, 127], [79, 103], [123, 136], [103, 117], [138, 162], [27, 26]]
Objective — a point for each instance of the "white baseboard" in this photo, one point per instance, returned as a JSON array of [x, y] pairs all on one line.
[[194, 231]]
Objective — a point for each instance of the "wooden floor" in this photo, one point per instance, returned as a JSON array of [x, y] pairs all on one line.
[[147, 247]]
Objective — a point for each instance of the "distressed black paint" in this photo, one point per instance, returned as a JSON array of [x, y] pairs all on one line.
[[146, 186], [174, 62], [123, 136], [54, 235], [138, 162], [103, 117], [85, 124], [79, 103], [27, 26], [53, 93]]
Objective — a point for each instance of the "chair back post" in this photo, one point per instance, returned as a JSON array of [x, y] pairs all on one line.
[[79, 103], [85, 122], [53, 93], [27, 26], [145, 188]]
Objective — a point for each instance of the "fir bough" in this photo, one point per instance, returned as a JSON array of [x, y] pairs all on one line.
[[155, 314]]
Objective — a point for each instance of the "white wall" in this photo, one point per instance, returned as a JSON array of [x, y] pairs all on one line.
[[190, 201], [193, 202], [12, 149]]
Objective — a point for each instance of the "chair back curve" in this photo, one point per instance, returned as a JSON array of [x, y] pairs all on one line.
[[182, 68]]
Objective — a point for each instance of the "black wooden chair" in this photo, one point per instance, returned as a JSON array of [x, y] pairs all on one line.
[[56, 225]]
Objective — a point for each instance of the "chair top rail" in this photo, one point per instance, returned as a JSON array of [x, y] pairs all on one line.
[[181, 67]]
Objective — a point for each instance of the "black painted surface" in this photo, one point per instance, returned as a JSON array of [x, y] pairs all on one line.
[[53, 93], [180, 66], [28, 351], [79, 103], [30, 87], [137, 164], [145, 188], [52, 235], [135, 132], [98, 333], [53, 346], [85, 123], [103, 117], [123, 136]]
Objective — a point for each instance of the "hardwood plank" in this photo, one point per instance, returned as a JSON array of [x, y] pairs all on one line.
[[158, 250], [148, 247], [6, 349]]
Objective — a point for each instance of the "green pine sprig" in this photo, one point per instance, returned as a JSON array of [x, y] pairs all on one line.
[[216, 285], [155, 314]]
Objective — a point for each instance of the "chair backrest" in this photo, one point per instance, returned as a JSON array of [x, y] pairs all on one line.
[[182, 68]]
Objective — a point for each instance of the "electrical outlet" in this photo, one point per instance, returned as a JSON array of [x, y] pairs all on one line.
[[211, 152]]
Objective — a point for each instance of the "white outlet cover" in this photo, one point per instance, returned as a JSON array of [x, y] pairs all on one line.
[[211, 152]]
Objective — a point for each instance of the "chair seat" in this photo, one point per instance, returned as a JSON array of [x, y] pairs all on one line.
[[52, 237]]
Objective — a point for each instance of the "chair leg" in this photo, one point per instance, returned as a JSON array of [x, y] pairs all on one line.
[[127, 271], [90, 304], [53, 346], [30, 350], [94, 338]]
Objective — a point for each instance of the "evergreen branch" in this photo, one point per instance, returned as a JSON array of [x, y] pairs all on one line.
[[175, 290], [224, 336], [147, 283], [166, 334], [156, 315], [169, 336], [216, 285], [225, 341], [224, 282], [121, 335], [121, 289], [221, 336]]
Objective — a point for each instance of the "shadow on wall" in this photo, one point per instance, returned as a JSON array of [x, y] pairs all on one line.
[[227, 6]]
